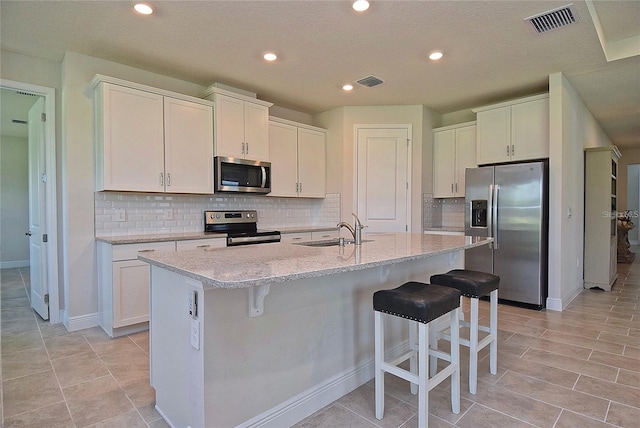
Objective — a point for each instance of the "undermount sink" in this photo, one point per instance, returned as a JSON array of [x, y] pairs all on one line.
[[329, 242]]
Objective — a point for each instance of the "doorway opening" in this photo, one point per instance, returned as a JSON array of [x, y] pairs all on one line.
[[19, 214]]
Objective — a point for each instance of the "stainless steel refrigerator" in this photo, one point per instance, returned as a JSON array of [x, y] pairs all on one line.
[[510, 203]]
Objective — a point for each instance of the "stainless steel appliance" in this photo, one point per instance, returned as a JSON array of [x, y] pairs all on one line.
[[240, 227], [241, 175], [510, 203]]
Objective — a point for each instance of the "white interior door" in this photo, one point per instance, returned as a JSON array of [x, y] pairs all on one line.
[[37, 217], [383, 178]]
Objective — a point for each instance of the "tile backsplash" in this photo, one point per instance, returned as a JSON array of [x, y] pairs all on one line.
[[448, 212], [122, 214]]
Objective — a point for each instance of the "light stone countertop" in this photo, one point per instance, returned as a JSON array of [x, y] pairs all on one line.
[[252, 265], [163, 237]]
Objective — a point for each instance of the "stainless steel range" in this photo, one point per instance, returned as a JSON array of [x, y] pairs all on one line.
[[241, 227]]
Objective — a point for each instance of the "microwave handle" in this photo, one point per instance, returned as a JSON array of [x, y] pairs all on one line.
[[264, 176]]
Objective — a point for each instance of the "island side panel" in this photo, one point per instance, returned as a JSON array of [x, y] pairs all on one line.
[[176, 367], [311, 330]]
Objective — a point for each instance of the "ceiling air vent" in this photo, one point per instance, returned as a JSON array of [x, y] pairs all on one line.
[[553, 19], [370, 81]]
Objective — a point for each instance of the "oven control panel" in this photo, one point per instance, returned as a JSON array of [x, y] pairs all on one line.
[[227, 217]]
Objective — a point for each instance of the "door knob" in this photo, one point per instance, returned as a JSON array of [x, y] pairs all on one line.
[[28, 233]]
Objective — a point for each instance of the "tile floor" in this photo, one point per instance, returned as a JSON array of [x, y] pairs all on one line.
[[580, 367]]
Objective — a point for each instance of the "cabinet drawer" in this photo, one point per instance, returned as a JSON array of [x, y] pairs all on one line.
[[198, 244], [131, 251], [326, 234], [295, 237]]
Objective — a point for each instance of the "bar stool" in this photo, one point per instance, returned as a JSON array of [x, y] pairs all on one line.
[[420, 303], [473, 284]]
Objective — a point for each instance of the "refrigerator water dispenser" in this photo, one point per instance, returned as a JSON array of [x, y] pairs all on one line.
[[479, 213]]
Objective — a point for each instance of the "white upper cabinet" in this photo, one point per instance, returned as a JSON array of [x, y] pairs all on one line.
[[298, 159], [241, 125], [513, 131], [188, 147], [454, 150], [129, 139], [150, 141]]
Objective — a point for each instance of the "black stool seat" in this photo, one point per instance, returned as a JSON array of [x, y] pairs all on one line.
[[417, 301], [471, 283]]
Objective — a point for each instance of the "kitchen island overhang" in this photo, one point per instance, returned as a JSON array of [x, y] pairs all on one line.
[[219, 367]]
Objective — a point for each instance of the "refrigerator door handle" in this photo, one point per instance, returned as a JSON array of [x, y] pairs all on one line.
[[490, 215], [494, 213]]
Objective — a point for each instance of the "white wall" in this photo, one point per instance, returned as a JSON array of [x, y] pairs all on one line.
[[14, 201], [341, 149], [572, 129]]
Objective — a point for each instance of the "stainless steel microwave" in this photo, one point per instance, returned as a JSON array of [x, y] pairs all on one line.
[[241, 175]]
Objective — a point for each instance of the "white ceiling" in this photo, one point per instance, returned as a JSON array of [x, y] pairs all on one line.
[[492, 54]]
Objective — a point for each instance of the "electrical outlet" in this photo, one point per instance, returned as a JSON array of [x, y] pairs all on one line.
[[195, 334], [121, 215], [168, 214]]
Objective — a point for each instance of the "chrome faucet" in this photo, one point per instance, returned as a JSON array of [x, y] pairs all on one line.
[[356, 231]]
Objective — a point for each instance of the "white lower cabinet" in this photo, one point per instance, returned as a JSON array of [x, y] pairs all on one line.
[[201, 244], [309, 236], [295, 237], [123, 280]]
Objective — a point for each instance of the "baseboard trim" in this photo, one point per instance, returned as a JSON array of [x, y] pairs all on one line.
[[560, 304], [306, 403], [14, 264], [82, 322]]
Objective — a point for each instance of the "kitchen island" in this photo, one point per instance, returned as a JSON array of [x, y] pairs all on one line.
[[264, 335]]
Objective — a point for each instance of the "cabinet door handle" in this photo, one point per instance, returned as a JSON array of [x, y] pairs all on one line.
[[456, 187], [203, 246], [300, 187], [243, 151], [146, 251], [513, 150], [168, 179], [247, 146], [451, 187], [161, 179], [507, 150]]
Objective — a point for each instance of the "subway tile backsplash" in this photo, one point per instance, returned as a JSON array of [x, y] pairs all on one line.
[[447, 212], [122, 214]]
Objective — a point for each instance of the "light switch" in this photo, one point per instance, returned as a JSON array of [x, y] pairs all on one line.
[[195, 334]]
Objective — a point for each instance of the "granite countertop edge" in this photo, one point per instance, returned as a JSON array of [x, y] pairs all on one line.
[[210, 282]]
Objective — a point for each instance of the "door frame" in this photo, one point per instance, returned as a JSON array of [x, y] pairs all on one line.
[[409, 128], [51, 220]]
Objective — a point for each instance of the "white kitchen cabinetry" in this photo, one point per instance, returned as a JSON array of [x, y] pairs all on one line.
[[600, 217], [123, 300], [298, 159], [513, 131], [454, 150], [201, 244], [241, 125], [291, 238], [149, 140]]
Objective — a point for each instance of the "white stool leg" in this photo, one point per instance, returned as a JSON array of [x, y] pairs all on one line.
[[413, 346], [455, 359], [493, 327], [423, 360], [473, 346], [379, 358], [433, 344]]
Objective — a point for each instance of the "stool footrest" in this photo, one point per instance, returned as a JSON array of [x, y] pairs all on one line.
[[401, 373]]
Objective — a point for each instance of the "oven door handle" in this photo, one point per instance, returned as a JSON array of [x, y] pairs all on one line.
[[231, 240], [264, 177]]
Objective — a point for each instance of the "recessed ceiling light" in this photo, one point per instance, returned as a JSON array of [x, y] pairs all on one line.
[[143, 8], [435, 55], [360, 5], [347, 87], [270, 56]]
